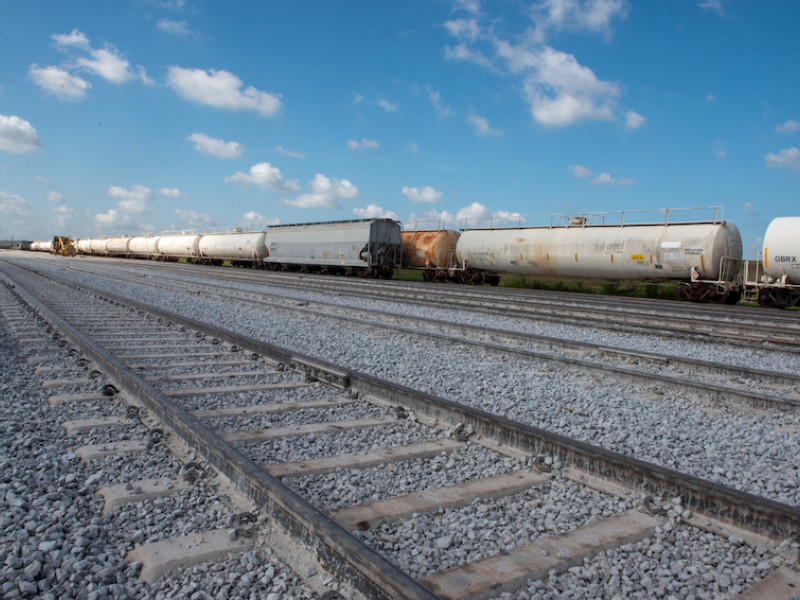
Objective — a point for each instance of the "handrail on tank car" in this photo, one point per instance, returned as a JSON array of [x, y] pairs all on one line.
[[588, 219]]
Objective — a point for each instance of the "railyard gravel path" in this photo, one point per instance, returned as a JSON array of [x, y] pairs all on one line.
[[753, 451]]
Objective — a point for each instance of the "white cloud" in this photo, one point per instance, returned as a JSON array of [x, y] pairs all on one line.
[[482, 127], [426, 195], [576, 15], [74, 39], [17, 136], [561, 91], [172, 193], [326, 193], [58, 82], [111, 219], [290, 153], [221, 89], [580, 171], [713, 5], [604, 179], [174, 27], [135, 192], [601, 179], [634, 120], [463, 28], [253, 221], [12, 204], [53, 196], [215, 146], [264, 175], [788, 158], [364, 144], [108, 64], [790, 126], [436, 99], [749, 209], [193, 219], [357, 98], [386, 105], [474, 215], [132, 201], [462, 52], [720, 151], [373, 211]]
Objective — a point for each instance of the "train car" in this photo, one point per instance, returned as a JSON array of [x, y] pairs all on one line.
[[98, 246], [175, 247], [368, 247], [143, 246], [691, 253], [84, 245], [240, 248], [775, 280], [432, 251], [118, 246]]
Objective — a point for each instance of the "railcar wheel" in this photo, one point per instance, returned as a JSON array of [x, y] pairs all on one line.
[[478, 277], [683, 292], [428, 275], [733, 297], [766, 300]]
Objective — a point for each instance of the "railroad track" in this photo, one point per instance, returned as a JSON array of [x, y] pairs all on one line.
[[598, 496], [714, 381], [727, 324]]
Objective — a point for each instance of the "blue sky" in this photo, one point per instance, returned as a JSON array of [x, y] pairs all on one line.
[[136, 116]]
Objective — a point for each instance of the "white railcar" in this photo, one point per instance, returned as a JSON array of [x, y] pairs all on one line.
[[84, 246], [689, 252], [241, 248], [369, 247], [143, 246], [118, 246], [174, 247], [775, 280], [98, 246]]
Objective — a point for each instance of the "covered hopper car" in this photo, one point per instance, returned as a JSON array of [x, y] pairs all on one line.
[[367, 248]]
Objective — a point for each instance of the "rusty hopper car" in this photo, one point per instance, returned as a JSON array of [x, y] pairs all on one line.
[[368, 248], [691, 253], [432, 251]]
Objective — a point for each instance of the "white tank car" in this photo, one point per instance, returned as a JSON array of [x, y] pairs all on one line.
[[178, 246], [237, 247], [118, 246], [84, 245], [781, 252], [639, 252], [143, 246], [98, 246]]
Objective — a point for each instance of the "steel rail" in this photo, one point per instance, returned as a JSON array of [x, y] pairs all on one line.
[[578, 312], [718, 391], [340, 551], [730, 505]]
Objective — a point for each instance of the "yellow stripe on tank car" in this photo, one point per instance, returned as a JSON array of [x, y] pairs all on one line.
[[765, 257], [702, 264], [576, 257], [612, 258]]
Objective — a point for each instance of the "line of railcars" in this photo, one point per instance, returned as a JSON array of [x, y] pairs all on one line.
[[704, 257]]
